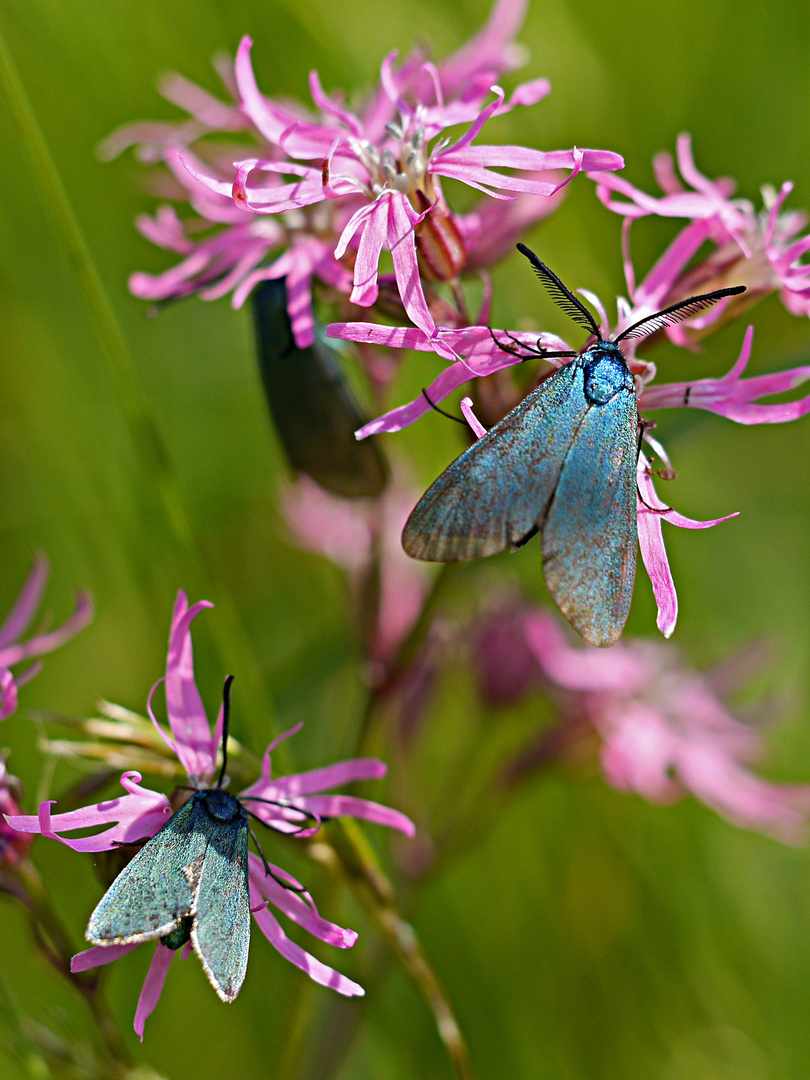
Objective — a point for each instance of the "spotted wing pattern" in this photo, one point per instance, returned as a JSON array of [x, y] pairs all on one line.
[[152, 893], [221, 931], [489, 498], [589, 535]]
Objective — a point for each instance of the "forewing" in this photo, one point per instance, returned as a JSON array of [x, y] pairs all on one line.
[[589, 536], [221, 931], [497, 492], [154, 891]]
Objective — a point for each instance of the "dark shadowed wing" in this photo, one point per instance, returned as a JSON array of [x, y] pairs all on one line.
[[497, 492], [221, 931], [153, 892], [589, 535], [312, 405]]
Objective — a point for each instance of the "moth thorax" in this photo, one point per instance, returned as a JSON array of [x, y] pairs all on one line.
[[606, 373], [220, 805]]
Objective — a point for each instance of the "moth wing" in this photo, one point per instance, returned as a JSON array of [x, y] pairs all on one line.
[[589, 536], [496, 494], [221, 930], [155, 890]]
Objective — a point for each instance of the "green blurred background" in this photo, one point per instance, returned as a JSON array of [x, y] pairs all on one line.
[[590, 934]]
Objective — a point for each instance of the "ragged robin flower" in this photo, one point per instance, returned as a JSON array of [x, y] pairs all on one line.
[[319, 195], [761, 249], [13, 651], [664, 730], [294, 804]]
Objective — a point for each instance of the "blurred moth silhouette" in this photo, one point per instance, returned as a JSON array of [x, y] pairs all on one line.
[[562, 463]]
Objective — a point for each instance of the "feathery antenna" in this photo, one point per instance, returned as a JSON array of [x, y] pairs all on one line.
[[676, 313], [561, 296]]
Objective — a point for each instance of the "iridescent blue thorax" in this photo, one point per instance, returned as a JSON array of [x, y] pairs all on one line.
[[606, 372], [220, 805]]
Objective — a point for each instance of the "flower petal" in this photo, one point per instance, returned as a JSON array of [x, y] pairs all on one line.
[[152, 986], [317, 971], [134, 816]]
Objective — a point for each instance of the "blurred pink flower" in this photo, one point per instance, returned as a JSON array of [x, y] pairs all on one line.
[[664, 732], [758, 249], [296, 801], [351, 533], [340, 186], [13, 845], [13, 651]]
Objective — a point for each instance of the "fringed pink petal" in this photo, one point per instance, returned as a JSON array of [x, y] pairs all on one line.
[[100, 955], [187, 717], [295, 907], [27, 602], [45, 643], [135, 816], [8, 693], [317, 971], [329, 806], [152, 986], [583, 668]]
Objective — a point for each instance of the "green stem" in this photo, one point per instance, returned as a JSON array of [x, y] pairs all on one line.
[[147, 439], [58, 949], [359, 865], [405, 656]]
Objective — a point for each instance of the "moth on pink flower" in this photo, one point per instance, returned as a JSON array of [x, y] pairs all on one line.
[[474, 512], [13, 651], [665, 732], [193, 884]]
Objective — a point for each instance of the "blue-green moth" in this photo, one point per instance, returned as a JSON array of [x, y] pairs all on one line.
[[189, 882]]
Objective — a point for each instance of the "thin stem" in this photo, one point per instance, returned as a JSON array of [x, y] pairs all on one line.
[[151, 449], [359, 865], [58, 949], [405, 656]]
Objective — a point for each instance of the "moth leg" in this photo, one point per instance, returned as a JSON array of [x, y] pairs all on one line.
[[268, 869]]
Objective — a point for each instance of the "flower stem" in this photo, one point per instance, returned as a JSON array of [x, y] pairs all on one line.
[[150, 447], [58, 949], [359, 865]]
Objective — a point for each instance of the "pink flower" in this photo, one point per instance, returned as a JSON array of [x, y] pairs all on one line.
[[13, 845], [13, 651], [664, 731], [296, 801], [337, 186], [758, 249]]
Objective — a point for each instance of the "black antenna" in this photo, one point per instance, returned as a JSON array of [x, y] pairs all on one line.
[[561, 296], [441, 412], [226, 716], [676, 313]]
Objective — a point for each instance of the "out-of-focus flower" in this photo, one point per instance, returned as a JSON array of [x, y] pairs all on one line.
[[13, 845], [13, 651], [355, 533], [290, 805], [760, 249], [321, 195], [664, 731]]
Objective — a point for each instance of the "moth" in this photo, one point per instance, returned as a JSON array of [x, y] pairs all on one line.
[[313, 409], [189, 882], [562, 463]]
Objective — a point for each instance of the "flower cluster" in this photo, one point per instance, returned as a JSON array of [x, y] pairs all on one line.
[[320, 194], [294, 804]]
